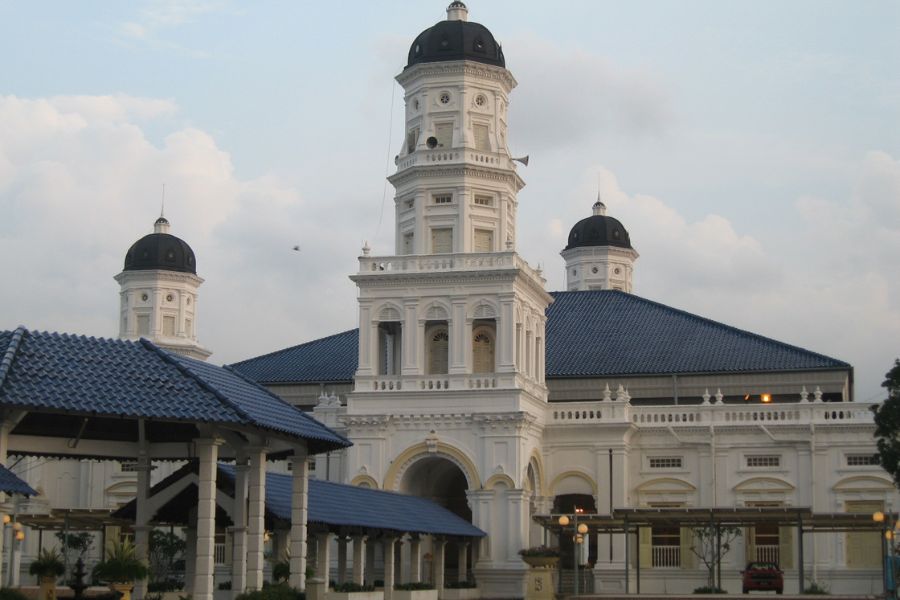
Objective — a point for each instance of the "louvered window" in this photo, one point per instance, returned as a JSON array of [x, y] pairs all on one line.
[[443, 132], [484, 240], [482, 139], [441, 241], [438, 351]]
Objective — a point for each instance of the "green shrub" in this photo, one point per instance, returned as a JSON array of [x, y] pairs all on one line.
[[460, 585], [121, 565], [225, 585], [11, 594], [281, 571], [709, 589], [414, 585], [47, 564], [349, 586], [274, 592], [816, 589]]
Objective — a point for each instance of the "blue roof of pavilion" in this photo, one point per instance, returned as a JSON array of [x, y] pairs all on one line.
[[589, 334], [53, 372], [11, 484]]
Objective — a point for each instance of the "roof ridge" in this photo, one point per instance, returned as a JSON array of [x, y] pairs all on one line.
[[718, 324], [169, 358], [11, 351], [294, 347], [275, 396]]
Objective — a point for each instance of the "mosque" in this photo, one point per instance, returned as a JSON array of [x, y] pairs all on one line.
[[468, 383]]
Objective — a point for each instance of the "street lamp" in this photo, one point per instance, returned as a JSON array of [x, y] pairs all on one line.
[[889, 524], [580, 530]]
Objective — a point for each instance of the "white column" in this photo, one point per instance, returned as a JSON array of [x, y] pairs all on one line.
[[299, 510], [411, 339], [462, 554], [389, 546], [438, 546], [506, 335], [459, 341], [190, 556], [207, 452], [342, 559], [359, 557], [142, 520], [365, 343], [415, 560], [323, 557], [256, 513], [239, 530], [370, 561]]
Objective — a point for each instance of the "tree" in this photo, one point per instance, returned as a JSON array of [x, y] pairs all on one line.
[[165, 548], [711, 544], [887, 424], [79, 542]]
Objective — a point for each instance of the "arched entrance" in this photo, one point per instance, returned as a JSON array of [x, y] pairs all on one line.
[[442, 481]]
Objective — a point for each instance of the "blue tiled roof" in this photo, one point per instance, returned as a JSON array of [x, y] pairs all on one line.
[[330, 359], [338, 504], [604, 333], [589, 334], [95, 376], [11, 484]]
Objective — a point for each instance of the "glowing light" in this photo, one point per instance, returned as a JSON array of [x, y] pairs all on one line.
[[20, 535], [766, 398], [17, 526], [564, 520], [878, 516], [582, 528], [6, 519]]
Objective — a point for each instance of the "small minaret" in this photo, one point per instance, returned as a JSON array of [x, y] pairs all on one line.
[[599, 255], [159, 293]]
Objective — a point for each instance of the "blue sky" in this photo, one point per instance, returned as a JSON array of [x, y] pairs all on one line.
[[751, 148]]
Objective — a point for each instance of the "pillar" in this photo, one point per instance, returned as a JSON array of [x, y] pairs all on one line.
[[462, 561], [370, 562], [415, 560], [323, 557], [437, 553], [239, 531], [190, 554], [411, 338], [256, 513], [142, 520], [299, 511], [342, 559], [359, 557], [207, 453], [389, 547], [460, 336]]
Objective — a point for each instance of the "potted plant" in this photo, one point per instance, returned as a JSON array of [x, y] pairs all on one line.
[[121, 568], [354, 591], [418, 590], [540, 556], [48, 567]]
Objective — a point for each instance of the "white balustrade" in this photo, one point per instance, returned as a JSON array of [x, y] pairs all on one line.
[[666, 556], [428, 263]]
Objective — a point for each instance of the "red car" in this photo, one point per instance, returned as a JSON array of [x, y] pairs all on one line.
[[762, 576]]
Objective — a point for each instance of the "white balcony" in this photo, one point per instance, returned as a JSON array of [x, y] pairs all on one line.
[[412, 264]]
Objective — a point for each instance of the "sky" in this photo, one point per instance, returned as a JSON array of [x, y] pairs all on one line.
[[751, 148]]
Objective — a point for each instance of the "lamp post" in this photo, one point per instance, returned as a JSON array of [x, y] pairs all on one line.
[[580, 529], [889, 528]]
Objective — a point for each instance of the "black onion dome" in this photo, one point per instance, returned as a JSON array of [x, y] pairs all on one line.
[[456, 40], [598, 230], [161, 251]]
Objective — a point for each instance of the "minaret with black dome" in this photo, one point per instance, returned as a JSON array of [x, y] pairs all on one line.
[[158, 293], [452, 320], [599, 255]]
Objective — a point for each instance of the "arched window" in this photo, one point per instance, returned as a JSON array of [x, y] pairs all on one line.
[[438, 351], [482, 351]]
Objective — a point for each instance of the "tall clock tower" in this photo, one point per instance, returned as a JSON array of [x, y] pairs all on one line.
[[449, 394]]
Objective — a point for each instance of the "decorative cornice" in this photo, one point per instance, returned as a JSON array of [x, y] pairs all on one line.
[[458, 170], [458, 67]]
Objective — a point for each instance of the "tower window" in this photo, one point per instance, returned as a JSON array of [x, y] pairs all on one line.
[[143, 324], [169, 326], [484, 240], [443, 199], [441, 241], [438, 350], [482, 137], [412, 140], [443, 132], [408, 240], [484, 201]]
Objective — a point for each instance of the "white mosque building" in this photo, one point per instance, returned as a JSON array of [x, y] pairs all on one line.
[[469, 383]]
